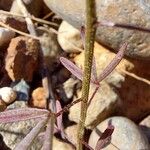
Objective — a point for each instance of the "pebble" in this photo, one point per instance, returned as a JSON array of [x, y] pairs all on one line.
[[39, 98], [8, 95], [69, 38]]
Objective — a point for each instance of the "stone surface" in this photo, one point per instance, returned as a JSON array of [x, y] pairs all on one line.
[[58, 144], [50, 47], [145, 126], [71, 132], [39, 98], [5, 36], [126, 135], [8, 95], [102, 106], [22, 58], [69, 38], [123, 11], [13, 133]]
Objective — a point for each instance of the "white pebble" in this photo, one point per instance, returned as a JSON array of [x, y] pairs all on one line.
[[8, 95]]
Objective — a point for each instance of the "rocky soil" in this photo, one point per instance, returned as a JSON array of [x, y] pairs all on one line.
[[26, 58]]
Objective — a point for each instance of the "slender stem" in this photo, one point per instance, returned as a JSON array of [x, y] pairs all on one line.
[[89, 46]]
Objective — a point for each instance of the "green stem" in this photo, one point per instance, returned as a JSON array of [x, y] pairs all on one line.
[[89, 47]]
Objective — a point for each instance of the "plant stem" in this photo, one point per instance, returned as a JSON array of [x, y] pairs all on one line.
[[89, 47]]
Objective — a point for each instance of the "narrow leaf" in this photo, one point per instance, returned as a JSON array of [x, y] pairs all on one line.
[[59, 120], [82, 31], [22, 114], [88, 146], [111, 66], [94, 72], [29, 138], [76, 71], [105, 137]]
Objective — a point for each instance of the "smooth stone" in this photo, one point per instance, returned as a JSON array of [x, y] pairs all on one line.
[[39, 98], [145, 126], [58, 144], [133, 12], [8, 95], [5, 36], [126, 135], [69, 38]]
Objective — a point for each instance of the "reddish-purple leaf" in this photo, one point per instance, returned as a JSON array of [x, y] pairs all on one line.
[[105, 137], [94, 72], [76, 71], [59, 119], [82, 31], [22, 114], [121, 25], [29, 138], [88, 146], [113, 63]]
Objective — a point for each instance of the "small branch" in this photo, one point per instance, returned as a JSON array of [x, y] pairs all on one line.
[[17, 31], [89, 47], [135, 76], [31, 17], [25, 12]]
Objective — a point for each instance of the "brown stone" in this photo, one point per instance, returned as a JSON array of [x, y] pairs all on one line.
[[22, 58], [39, 98]]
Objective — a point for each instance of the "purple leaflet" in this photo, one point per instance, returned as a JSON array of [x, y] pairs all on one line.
[[82, 31], [105, 137], [113, 63], [86, 145], [59, 119], [125, 26], [94, 72], [22, 114], [76, 71], [29, 138]]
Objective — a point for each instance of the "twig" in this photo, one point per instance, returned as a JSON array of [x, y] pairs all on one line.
[[135, 76], [26, 14], [31, 17], [89, 47], [19, 32]]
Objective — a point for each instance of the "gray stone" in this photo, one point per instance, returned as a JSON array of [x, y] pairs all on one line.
[[122, 11], [126, 135]]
